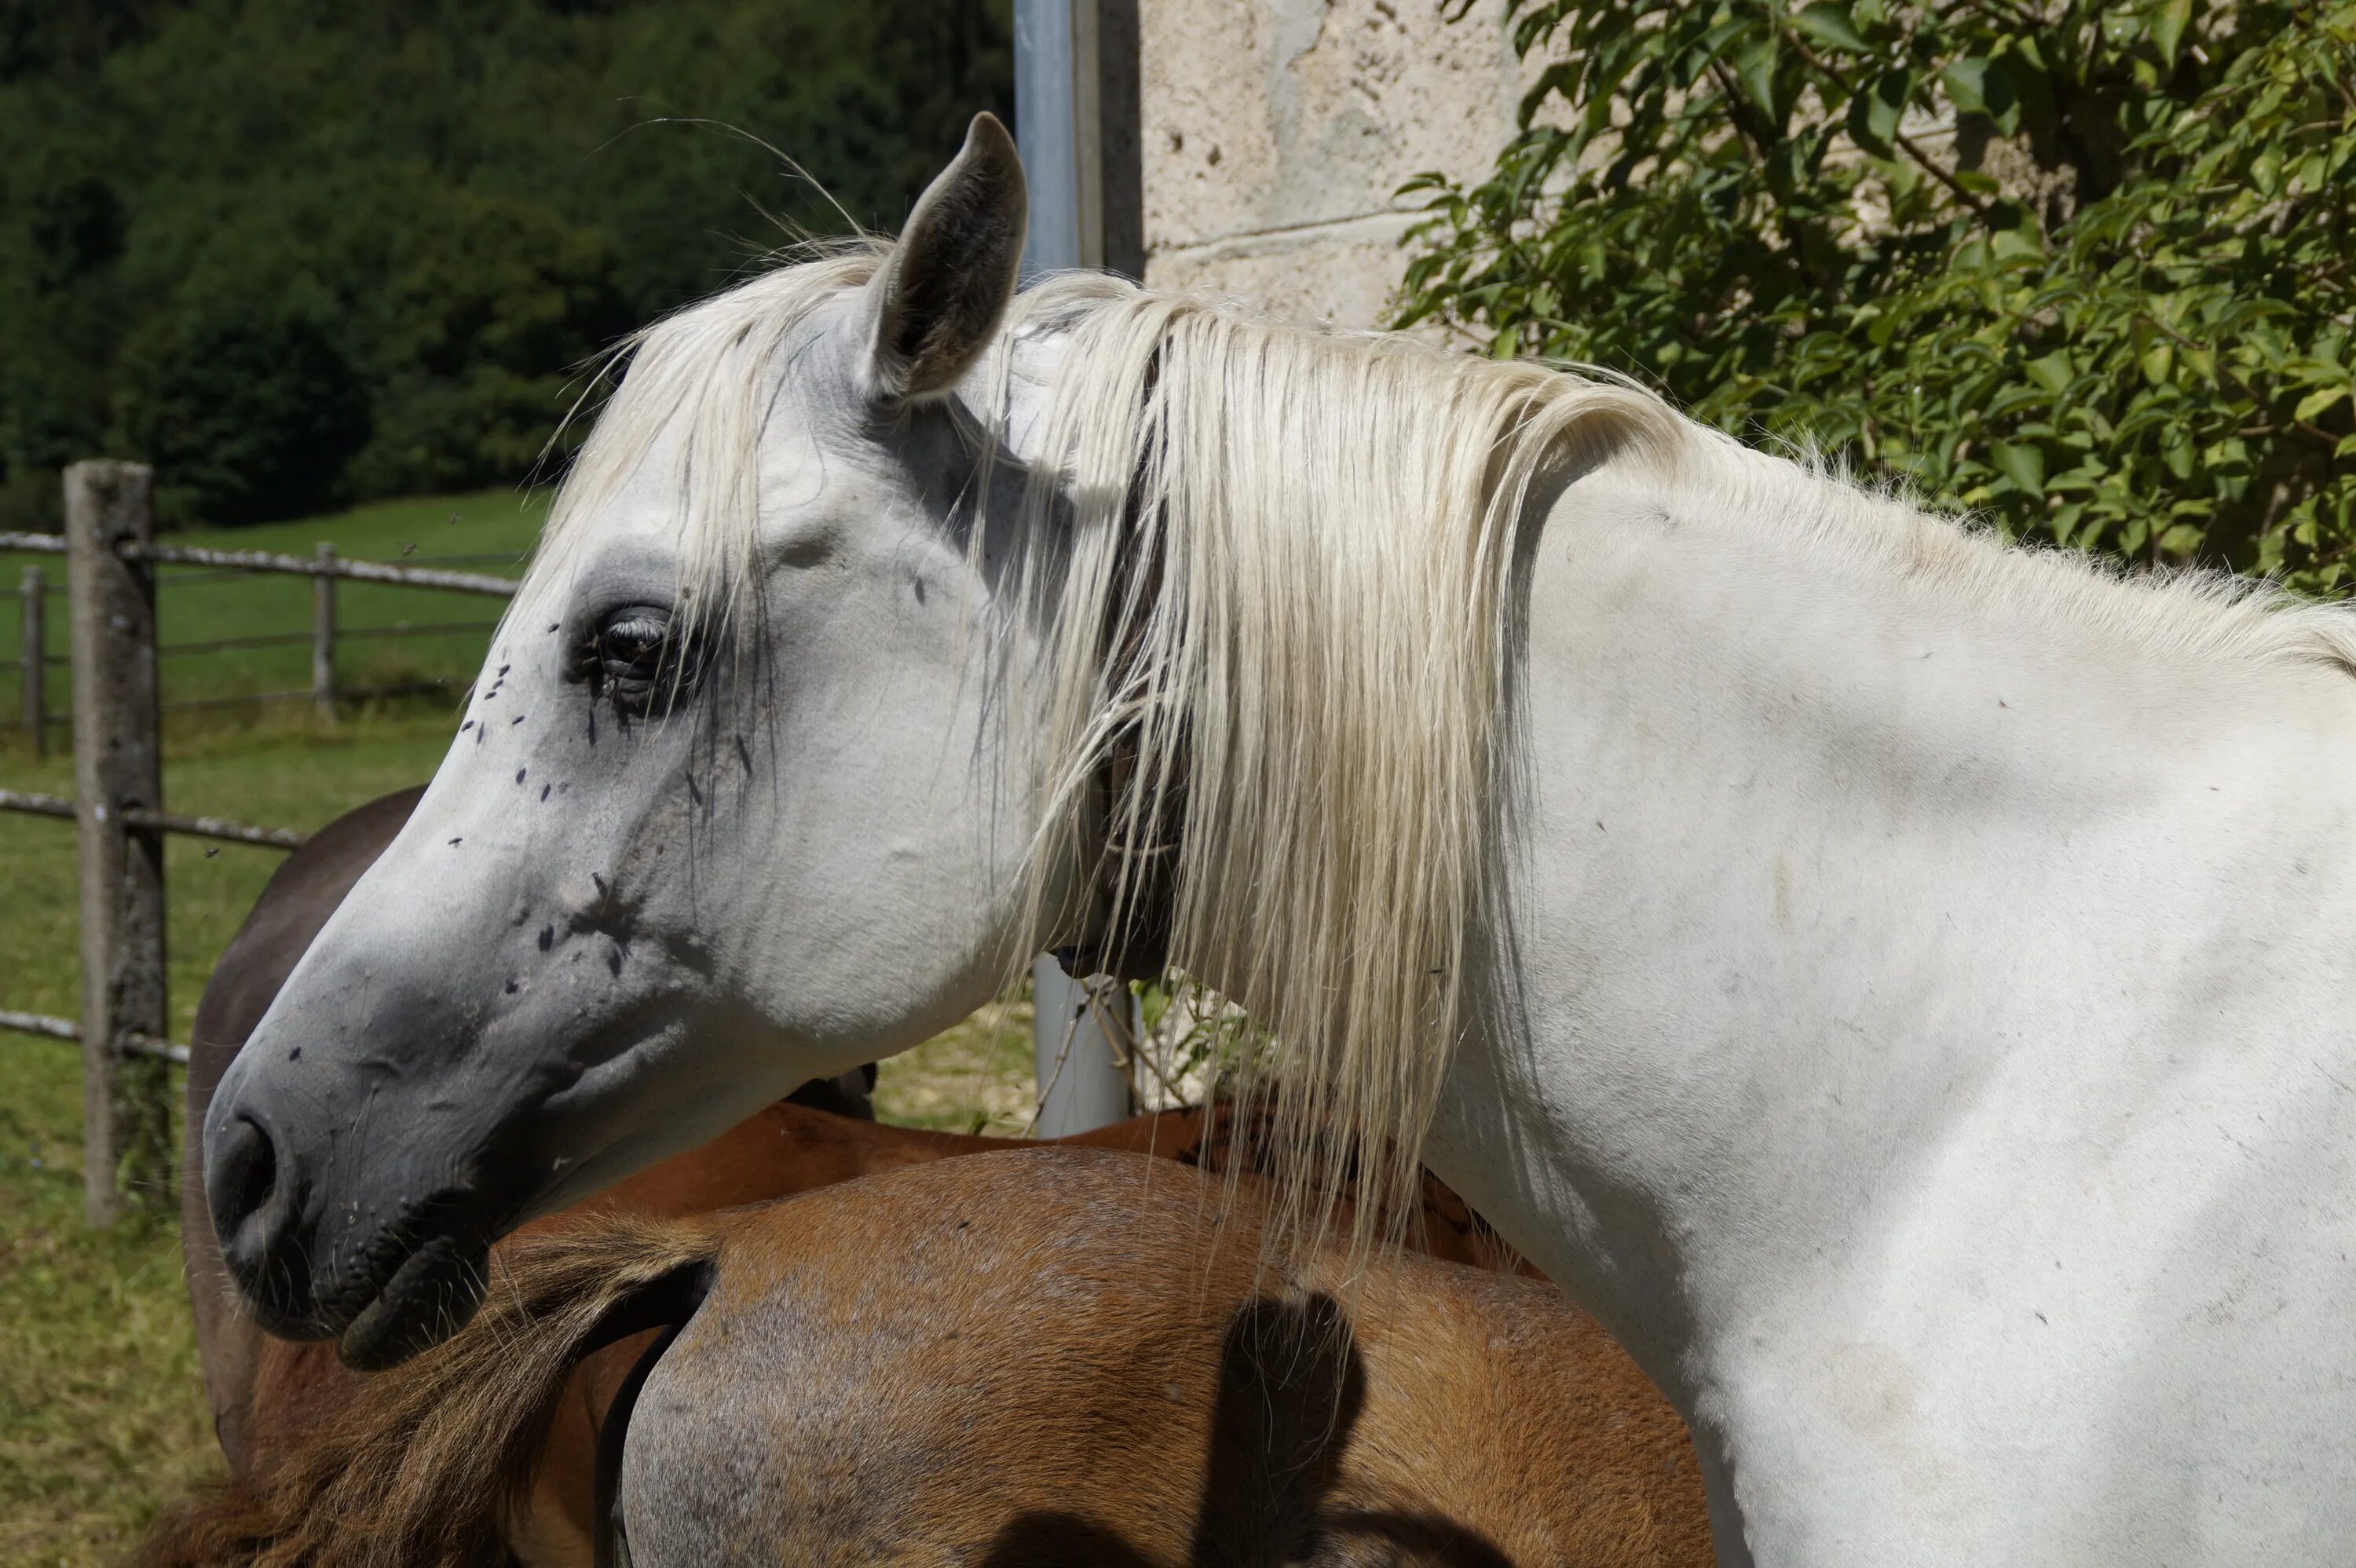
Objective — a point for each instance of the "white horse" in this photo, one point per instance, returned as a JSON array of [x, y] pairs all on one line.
[[1899, 983]]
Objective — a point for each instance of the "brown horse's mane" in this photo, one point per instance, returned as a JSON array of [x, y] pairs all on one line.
[[425, 1467]]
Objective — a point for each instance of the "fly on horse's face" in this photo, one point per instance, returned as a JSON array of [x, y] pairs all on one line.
[[684, 854]]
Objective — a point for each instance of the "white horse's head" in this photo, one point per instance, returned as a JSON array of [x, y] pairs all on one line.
[[888, 629], [726, 811]]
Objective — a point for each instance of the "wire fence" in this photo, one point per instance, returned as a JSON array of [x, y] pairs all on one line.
[[115, 569], [289, 639], [259, 677]]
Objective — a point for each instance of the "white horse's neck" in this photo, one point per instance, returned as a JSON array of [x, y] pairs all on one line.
[[1866, 941]]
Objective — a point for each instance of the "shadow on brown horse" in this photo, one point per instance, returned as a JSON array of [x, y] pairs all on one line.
[[1291, 1390]]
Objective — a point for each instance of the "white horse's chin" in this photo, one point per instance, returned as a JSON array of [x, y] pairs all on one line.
[[428, 1297]]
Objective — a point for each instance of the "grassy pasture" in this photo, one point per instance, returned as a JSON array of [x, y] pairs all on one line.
[[101, 1411]]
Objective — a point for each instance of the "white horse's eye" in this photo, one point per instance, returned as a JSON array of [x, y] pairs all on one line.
[[632, 661]]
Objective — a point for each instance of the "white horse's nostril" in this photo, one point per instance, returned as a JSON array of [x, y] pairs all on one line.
[[246, 1190], [241, 1175]]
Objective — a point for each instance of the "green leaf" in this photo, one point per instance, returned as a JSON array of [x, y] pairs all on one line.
[[2018, 244], [2265, 171], [1874, 113], [1829, 25], [1755, 70], [2176, 451], [2317, 400], [2054, 372], [2021, 464], [2169, 20], [1981, 86]]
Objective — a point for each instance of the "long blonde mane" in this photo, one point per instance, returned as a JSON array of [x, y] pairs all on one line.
[[1281, 583], [1273, 564]]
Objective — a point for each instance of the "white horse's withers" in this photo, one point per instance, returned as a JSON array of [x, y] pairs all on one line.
[[1897, 982]]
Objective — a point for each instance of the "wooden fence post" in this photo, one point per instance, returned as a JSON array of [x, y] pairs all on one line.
[[323, 636], [35, 644], [118, 764]]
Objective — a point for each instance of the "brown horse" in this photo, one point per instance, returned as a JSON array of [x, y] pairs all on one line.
[[1045, 1357], [296, 1391], [273, 1400]]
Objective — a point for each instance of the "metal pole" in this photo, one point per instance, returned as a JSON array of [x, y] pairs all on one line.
[[35, 643], [1083, 1081], [1056, 127], [323, 634], [118, 768], [1083, 1034]]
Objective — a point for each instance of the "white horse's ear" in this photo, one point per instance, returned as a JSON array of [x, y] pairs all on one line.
[[938, 299]]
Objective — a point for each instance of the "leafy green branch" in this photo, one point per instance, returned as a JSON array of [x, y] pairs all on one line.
[[2080, 267]]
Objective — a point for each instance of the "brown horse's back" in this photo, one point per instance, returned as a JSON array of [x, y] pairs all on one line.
[[293, 1390], [1051, 1357]]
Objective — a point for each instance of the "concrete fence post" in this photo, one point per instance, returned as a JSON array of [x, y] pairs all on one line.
[[118, 765], [35, 643], [323, 636]]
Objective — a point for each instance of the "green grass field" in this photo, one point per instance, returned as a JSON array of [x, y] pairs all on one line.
[[101, 1411]]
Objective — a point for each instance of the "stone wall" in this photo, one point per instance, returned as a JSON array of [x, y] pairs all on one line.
[[1271, 134]]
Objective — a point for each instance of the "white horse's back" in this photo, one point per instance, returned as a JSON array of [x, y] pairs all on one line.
[[1952, 985]]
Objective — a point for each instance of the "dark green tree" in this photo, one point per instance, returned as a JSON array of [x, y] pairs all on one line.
[[292, 253], [247, 408]]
